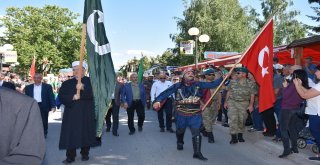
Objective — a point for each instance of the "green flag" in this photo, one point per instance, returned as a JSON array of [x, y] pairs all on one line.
[[101, 69], [140, 70]]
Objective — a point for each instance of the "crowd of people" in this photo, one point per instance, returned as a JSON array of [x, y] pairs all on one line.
[[180, 98]]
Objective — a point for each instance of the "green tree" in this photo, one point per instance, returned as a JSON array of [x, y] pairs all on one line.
[[315, 18], [224, 21], [50, 33], [286, 27]]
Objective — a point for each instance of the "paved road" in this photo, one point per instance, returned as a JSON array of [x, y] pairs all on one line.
[[151, 147]]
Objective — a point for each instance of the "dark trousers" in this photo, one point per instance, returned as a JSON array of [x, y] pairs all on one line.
[[257, 120], [44, 116], [193, 122], [139, 107], [314, 125], [277, 109], [167, 109], [269, 120], [223, 111], [288, 120], [72, 153], [114, 111]]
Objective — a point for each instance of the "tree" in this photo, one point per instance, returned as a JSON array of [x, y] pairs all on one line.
[[315, 18], [224, 21], [286, 27], [50, 33]]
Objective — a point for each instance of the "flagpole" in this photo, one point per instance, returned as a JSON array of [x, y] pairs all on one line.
[[83, 36], [241, 57]]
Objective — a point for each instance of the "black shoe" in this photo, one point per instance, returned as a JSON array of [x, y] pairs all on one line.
[[179, 146], [285, 154], [85, 158], [234, 139], [240, 138], [140, 129], [210, 137], [108, 129], [170, 130], [68, 161], [161, 129], [295, 150], [276, 139], [315, 158], [196, 141], [268, 134], [98, 141], [225, 124], [131, 132], [115, 133]]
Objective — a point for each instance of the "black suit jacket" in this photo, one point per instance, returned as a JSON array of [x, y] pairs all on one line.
[[9, 85], [47, 96]]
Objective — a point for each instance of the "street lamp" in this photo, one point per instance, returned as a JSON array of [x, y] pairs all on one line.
[[202, 38], [195, 32]]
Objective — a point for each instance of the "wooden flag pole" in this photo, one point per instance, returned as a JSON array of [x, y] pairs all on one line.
[[83, 36], [230, 71]]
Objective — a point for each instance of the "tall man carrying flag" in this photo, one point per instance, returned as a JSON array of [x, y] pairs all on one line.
[[101, 69]]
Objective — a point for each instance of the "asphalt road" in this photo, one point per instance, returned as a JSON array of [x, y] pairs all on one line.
[[152, 147]]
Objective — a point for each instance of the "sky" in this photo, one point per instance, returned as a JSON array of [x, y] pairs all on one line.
[[135, 26]]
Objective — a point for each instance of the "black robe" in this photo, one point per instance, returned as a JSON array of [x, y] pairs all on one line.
[[78, 125], [21, 137]]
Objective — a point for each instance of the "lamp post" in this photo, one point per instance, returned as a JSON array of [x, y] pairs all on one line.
[[195, 32], [202, 38]]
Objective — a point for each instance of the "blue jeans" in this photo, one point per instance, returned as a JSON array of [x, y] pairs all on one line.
[[257, 119], [314, 125]]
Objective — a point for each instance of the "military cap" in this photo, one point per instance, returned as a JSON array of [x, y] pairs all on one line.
[[242, 69]]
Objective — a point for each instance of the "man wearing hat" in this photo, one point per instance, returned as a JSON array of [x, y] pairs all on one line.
[[211, 111], [78, 128], [188, 114], [239, 99]]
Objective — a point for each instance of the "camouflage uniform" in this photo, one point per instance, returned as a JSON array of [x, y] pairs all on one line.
[[211, 111], [239, 99]]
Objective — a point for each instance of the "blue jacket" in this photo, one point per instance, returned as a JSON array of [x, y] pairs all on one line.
[[188, 90], [127, 96]]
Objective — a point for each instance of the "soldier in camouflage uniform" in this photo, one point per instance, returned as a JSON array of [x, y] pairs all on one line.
[[239, 99], [211, 111]]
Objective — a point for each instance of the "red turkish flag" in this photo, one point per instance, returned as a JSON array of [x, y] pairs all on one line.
[[258, 60], [32, 71]]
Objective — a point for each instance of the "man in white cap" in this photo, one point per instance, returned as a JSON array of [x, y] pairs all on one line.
[[78, 124]]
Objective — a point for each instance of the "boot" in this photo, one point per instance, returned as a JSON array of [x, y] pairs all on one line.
[[294, 146], [287, 151], [240, 137], [179, 141], [234, 139], [203, 131], [210, 137], [197, 148]]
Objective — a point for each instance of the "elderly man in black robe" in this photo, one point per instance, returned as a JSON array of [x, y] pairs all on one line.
[[21, 138], [78, 128]]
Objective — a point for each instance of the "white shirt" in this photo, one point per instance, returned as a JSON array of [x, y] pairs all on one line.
[[1, 83], [313, 104], [37, 92], [158, 87]]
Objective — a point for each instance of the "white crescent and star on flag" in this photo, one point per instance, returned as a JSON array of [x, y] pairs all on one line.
[[100, 49], [263, 51]]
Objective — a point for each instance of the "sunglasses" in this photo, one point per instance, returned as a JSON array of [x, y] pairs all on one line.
[[211, 75], [238, 73], [176, 79], [162, 78]]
